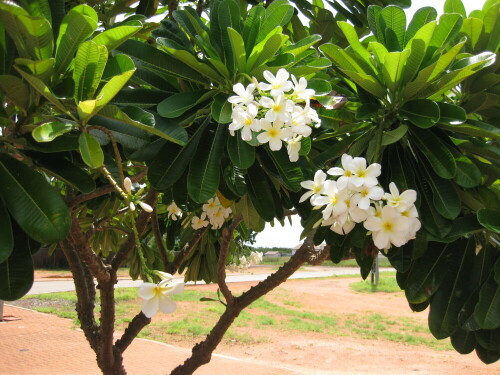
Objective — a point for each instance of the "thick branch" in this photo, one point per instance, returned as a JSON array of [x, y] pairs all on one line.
[[85, 293], [135, 326], [141, 224], [227, 236], [202, 352], [172, 267], [103, 190], [86, 254], [106, 329]]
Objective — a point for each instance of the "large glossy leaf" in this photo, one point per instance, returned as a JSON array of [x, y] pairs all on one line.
[[393, 68], [421, 17], [16, 90], [437, 153], [51, 130], [264, 51], [90, 62], [468, 174], [427, 273], [260, 193], [41, 69], [90, 150], [463, 341], [177, 104], [289, 172], [245, 208], [238, 47], [221, 109], [172, 160], [16, 273], [421, 112], [487, 311], [32, 202], [278, 13], [6, 237], [453, 292], [240, 152], [204, 169], [446, 30], [76, 27], [489, 218], [112, 38], [393, 24]]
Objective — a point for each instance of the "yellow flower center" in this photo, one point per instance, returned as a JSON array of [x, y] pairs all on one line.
[[387, 226], [273, 133], [333, 200], [248, 121], [317, 189], [276, 107], [348, 173]]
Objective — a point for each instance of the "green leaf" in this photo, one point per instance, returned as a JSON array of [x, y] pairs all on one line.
[[177, 104], [302, 45], [42, 88], [473, 28], [421, 17], [51, 130], [393, 68], [446, 30], [455, 6], [251, 218], [451, 114], [438, 155], [17, 273], [240, 152], [259, 190], [320, 86], [290, 172], [112, 38], [487, 311], [90, 62], [264, 51], [278, 13], [489, 218], [417, 45], [77, 26], [159, 61], [421, 112], [41, 69], [393, 18], [447, 302], [353, 40], [172, 160], [392, 136], [427, 273], [16, 90], [204, 169], [238, 47], [252, 27], [221, 109], [6, 236], [468, 174], [463, 341], [90, 150], [32, 202]]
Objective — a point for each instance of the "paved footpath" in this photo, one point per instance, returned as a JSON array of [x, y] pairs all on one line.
[[43, 344]]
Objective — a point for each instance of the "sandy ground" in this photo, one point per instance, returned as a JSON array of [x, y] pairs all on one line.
[[318, 353]]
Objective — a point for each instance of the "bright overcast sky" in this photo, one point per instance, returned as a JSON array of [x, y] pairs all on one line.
[[288, 236]]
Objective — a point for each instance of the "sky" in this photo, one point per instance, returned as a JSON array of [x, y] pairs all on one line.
[[289, 235]]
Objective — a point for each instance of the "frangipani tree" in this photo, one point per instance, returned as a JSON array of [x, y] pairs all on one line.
[[162, 146]]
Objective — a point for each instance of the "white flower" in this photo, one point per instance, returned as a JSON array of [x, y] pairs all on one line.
[[273, 133], [333, 198], [346, 173], [212, 206], [278, 84], [300, 89], [127, 185], [279, 108], [156, 296], [315, 186], [366, 193], [246, 121], [341, 224], [364, 176], [199, 222], [389, 228], [401, 201], [244, 96], [255, 257], [298, 122], [414, 224], [173, 212], [217, 218]]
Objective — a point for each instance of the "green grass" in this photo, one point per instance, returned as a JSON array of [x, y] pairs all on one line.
[[387, 284], [279, 313]]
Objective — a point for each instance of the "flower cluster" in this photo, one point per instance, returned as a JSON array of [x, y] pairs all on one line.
[[214, 211], [254, 258], [127, 187], [279, 111], [355, 197], [156, 296]]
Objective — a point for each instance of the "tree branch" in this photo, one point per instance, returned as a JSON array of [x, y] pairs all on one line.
[[134, 327], [172, 267], [227, 236], [202, 352], [103, 190]]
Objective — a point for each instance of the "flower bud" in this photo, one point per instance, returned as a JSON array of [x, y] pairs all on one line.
[[127, 185], [146, 207], [132, 206]]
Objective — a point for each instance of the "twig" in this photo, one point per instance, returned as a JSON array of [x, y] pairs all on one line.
[[118, 157], [132, 330]]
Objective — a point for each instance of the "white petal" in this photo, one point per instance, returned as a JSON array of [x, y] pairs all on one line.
[[373, 223], [146, 290], [381, 239], [166, 305], [176, 288], [275, 144], [335, 171], [150, 307]]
